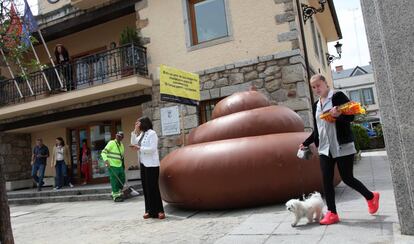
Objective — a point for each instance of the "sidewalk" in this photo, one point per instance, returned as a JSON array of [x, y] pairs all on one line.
[[108, 222]]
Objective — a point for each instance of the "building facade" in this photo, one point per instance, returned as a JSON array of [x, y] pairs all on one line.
[[231, 44], [359, 85]]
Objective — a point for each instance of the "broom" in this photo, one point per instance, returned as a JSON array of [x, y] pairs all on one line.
[[127, 190]]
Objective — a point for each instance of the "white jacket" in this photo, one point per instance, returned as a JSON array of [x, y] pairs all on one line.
[[148, 153]]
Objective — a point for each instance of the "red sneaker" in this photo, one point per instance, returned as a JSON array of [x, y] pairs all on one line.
[[373, 204], [161, 215], [330, 218]]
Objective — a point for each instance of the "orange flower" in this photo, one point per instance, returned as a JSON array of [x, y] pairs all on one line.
[[349, 108]]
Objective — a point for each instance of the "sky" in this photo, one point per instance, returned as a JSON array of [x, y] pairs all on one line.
[[355, 47]]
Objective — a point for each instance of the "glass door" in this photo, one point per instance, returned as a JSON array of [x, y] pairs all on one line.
[[100, 135], [76, 137], [74, 145]]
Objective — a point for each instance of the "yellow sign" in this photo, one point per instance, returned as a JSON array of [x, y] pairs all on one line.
[[179, 86]]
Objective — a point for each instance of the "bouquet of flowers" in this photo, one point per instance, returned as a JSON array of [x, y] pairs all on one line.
[[349, 108]]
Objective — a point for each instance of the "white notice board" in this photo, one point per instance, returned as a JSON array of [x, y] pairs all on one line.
[[170, 121]]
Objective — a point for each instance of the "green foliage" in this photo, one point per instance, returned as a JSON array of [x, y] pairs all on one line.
[[18, 51], [130, 35], [361, 117], [361, 136], [378, 130]]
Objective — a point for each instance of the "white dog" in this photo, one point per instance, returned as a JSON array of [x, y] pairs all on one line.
[[310, 207]]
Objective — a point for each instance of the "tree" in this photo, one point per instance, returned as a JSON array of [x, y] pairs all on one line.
[[6, 233], [10, 34]]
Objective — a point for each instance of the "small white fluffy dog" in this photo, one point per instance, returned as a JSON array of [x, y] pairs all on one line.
[[310, 207]]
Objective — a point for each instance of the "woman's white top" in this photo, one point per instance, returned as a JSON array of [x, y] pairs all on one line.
[[328, 141], [59, 153], [148, 152]]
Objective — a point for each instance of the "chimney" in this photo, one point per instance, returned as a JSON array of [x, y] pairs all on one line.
[[339, 68]]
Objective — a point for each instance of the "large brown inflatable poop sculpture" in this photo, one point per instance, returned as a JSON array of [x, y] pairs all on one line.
[[246, 156]]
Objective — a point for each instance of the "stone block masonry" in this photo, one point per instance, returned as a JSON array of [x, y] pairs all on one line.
[[15, 156], [280, 76]]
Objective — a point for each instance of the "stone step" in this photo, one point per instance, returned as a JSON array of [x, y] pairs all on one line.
[[81, 193], [69, 198]]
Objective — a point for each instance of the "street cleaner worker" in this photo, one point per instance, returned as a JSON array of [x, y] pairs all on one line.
[[113, 155]]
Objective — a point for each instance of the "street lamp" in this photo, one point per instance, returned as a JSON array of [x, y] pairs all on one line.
[[308, 11], [330, 58]]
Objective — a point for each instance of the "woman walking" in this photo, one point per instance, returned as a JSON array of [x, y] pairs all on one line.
[[335, 144], [60, 160], [145, 140]]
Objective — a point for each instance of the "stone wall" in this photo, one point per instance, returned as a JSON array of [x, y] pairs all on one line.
[[15, 156], [389, 27], [279, 76]]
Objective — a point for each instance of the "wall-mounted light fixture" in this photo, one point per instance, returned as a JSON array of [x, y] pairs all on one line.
[[330, 58], [308, 11]]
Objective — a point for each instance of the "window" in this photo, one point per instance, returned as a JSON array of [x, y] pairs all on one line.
[[364, 96], [355, 96], [208, 20], [368, 96], [321, 56], [206, 110], [315, 41]]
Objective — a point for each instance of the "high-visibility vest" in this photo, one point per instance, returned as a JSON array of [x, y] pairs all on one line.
[[113, 153]]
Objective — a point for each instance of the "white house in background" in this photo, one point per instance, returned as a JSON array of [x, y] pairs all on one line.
[[358, 84]]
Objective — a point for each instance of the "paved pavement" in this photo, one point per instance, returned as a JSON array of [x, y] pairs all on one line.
[[108, 222]]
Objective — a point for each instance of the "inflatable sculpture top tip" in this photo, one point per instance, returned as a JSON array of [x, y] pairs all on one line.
[[240, 101], [245, 156]]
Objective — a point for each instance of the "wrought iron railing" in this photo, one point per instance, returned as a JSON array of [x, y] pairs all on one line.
[[80, 73]]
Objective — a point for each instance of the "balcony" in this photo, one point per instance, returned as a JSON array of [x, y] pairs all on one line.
[[85, 72], [86, 4]]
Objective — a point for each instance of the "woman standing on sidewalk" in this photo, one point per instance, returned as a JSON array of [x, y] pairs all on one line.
[[85, 167], [60, 159], [145, 140], [335, 143]]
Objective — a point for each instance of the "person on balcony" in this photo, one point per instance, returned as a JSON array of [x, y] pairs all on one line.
[[63, 60]]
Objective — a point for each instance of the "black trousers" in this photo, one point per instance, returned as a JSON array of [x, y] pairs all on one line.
[[150, 185], [345, 168]]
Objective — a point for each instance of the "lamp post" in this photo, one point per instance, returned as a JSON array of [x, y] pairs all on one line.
[[330, 58], [308, 11]]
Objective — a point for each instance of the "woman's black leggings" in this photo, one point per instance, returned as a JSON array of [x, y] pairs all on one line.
[[345, 167]]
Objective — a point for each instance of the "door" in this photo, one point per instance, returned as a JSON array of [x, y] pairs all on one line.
[[76, 138], [100, 135]]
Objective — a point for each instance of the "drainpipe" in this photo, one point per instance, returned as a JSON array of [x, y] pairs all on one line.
[[305, 50]]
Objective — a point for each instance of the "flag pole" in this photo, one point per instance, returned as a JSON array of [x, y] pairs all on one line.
[[50, 57], [41, 68], [25, 76], [11, 73]]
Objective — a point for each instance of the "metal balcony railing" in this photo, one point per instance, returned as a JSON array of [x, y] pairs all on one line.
[[80, 73]]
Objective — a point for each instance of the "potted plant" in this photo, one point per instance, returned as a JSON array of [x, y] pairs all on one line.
[[128, 37]]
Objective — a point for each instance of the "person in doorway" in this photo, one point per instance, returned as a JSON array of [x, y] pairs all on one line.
[[60, 160], [85, 167], [39, 157], [113, 155], [145, 141], [63, 60], [335, 144]]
